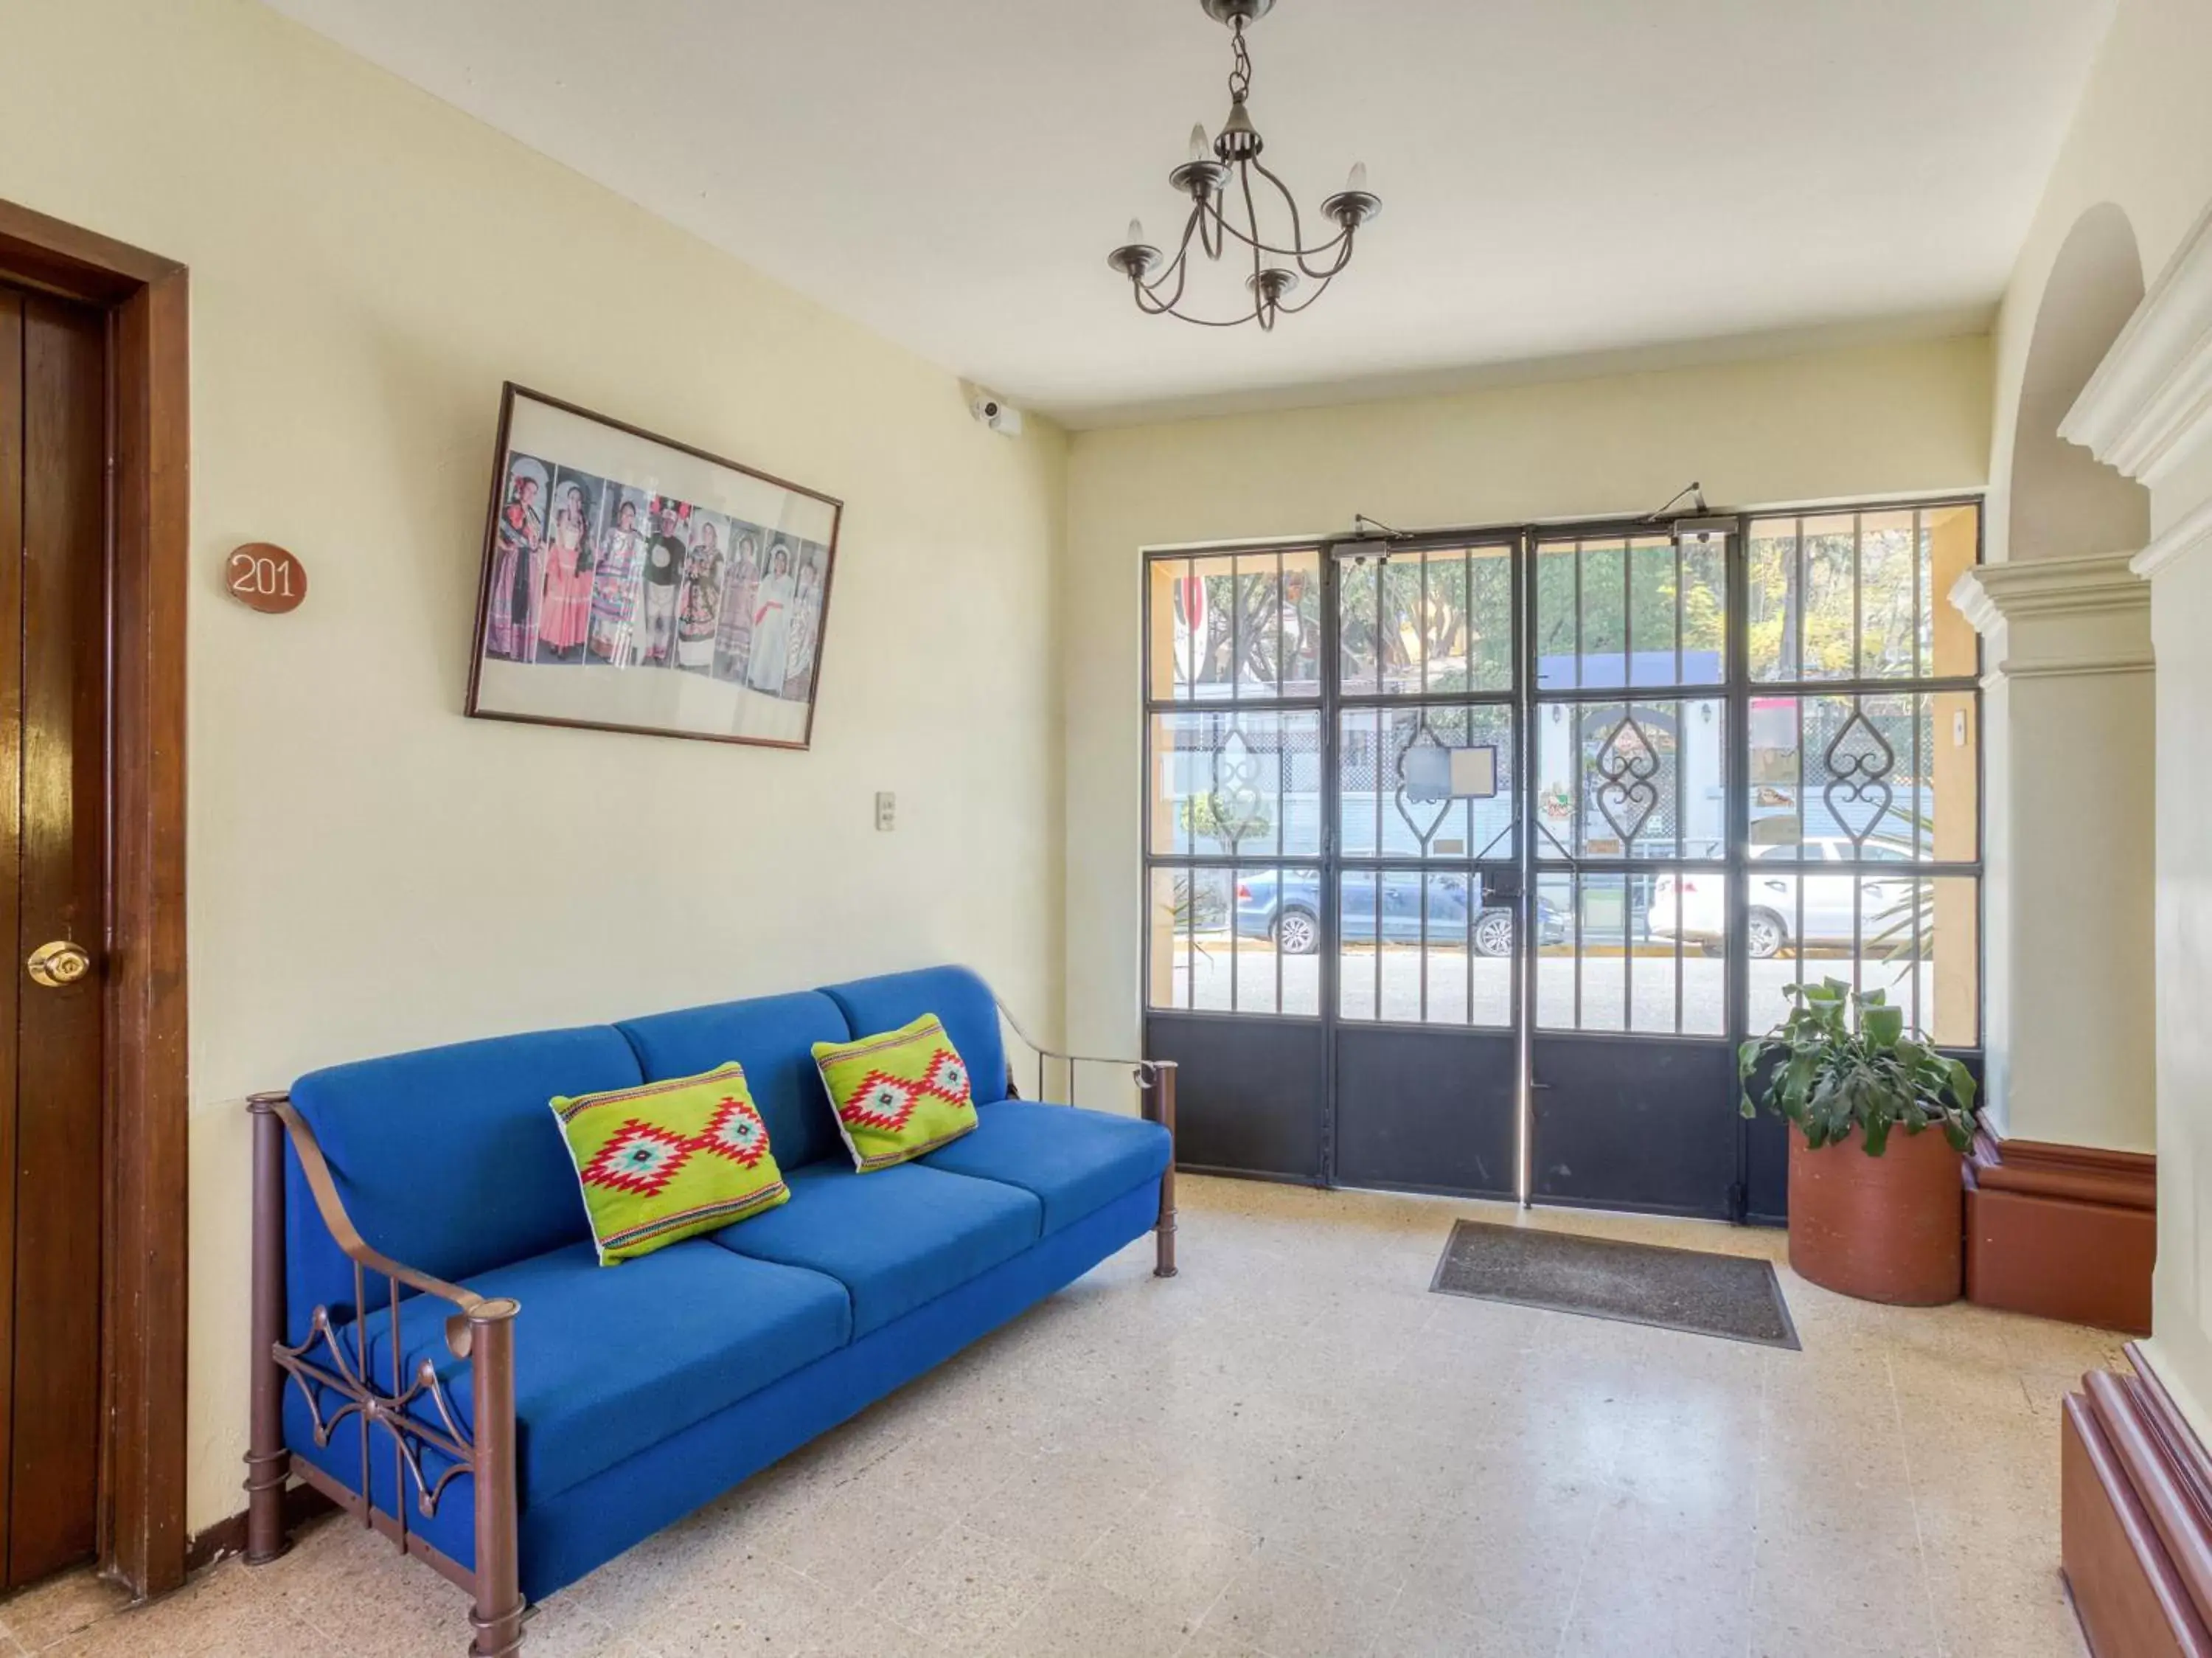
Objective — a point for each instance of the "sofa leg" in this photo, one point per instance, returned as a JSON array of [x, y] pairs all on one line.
[[497, 1615], [1163, 1231], [267, 1464]]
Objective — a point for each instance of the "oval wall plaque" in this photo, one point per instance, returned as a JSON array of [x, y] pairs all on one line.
[[263, 577]]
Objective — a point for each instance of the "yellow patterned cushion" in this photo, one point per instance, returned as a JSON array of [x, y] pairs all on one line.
[[669, 1160], [899, 1094]]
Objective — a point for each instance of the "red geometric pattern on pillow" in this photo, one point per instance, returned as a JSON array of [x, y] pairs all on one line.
[[735, 1131], [947, 1076], [882, 1102], [641, 1158]]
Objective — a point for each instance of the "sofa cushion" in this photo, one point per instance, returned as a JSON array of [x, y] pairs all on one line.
[[899, 1094], [894, 1239], [1076, 1162], [445, 1159], [772, 1037], [664, 1161], [610, 1361], [955, 995]]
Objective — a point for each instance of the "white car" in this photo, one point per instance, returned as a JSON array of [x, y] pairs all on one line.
[[1694, 907]]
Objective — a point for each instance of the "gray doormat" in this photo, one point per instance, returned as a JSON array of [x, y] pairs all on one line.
[[1728, 1295]]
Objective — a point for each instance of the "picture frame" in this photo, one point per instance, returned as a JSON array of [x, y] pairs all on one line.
[[631, 583]]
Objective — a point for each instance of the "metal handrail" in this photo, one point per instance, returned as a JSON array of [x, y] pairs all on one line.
[[1146, 1072], [473, 1308]]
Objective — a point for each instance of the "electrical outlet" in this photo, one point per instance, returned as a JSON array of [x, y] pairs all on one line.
[[886, 810]]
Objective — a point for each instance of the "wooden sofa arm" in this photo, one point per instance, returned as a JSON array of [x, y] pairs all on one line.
[[480, 1331], [1156, 1078]]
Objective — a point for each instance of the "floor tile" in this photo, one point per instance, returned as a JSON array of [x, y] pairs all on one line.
[[1176, 1563], [46, 1613], [1294, 1449], [965, 1591], [1079, 1618], [1293, 1606]]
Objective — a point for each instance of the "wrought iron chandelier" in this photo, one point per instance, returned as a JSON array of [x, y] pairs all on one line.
[[1225, 213]]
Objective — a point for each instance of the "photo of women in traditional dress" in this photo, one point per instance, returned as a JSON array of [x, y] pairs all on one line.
[[664, 557], [564, 611], [699, 611], [517, 564], [619, 581], [771, 642], [606, 546], [805, 627], [733, 644]]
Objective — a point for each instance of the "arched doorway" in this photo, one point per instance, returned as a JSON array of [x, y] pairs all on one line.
[[2065, 502]]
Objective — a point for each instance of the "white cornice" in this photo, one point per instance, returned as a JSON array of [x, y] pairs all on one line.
[[2149, 404], [2193, 532], [2060, 618], [1990, 593]]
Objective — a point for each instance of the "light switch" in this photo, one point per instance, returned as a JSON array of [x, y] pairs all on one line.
[[886, 810]]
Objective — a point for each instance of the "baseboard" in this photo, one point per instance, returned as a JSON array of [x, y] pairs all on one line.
[[2062, 1231], [226, 1537], [2136, 1518]]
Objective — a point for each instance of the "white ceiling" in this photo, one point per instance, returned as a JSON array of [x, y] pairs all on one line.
[[1561, 178]]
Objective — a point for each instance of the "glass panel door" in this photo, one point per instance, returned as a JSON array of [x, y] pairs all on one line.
[[1428, 888], [1631, 1102]]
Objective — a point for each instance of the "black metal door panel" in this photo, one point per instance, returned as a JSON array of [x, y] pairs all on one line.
[[1428, 1110], [1643, 1123], [1251, 1098]]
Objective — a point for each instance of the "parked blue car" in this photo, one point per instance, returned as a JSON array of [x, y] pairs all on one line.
[[1291, 915]]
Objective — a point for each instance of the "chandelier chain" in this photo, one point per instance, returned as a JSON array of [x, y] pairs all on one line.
[[1239, 72]]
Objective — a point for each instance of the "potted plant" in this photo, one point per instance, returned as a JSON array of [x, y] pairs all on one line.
[[1878, 1122]]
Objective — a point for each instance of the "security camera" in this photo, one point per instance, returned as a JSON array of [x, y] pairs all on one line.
[[1000, 416]]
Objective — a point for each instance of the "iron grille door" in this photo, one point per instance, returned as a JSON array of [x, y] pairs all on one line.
[[1430, 910], [1471, 859], [1630, 1006]]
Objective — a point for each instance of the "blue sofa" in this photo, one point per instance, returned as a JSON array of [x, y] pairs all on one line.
[[438, 1350]]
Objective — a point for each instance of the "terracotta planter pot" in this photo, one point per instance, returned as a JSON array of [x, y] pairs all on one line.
[[1884, 1229]]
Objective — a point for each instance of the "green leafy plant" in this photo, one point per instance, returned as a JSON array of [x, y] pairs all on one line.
[[1209, 817], [1844, 1060]]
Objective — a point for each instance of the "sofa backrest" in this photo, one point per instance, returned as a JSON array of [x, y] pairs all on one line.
[[772, 1037], [956, 996], [448, 1159]]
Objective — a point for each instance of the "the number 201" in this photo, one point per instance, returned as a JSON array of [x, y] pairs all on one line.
[[260, 575]]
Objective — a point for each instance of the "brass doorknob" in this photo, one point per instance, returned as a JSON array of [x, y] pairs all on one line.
[[58, 964]]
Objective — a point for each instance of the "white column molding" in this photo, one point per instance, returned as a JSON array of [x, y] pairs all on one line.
[[2191, 534], [2060, 618], [2148, 407]]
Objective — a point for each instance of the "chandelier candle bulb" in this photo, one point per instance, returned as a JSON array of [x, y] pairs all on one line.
[[1136, 233], [1357, 178], [1199, 148]]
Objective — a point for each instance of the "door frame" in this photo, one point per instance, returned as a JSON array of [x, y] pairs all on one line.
[[140, 1524]]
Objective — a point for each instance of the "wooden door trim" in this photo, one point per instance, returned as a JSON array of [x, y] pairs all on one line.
[[144, 1289]]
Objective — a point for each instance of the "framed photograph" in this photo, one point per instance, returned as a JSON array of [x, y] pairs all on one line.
[[634, 583]]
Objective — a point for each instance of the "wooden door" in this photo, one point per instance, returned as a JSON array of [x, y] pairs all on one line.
[[53, 864]]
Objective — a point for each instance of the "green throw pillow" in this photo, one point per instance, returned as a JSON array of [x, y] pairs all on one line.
[[670, 1160], [899, 1094]]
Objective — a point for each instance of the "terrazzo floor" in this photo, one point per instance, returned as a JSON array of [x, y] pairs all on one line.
[[1294, 1450]]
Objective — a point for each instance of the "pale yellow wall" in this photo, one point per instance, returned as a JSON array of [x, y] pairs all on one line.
[[1842, 424], [370, 871], [2143, 140]]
